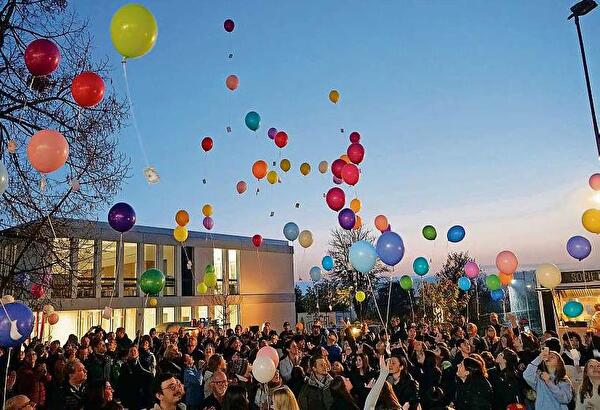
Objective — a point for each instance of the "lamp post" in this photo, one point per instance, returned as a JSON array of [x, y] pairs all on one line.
[[581, 9]]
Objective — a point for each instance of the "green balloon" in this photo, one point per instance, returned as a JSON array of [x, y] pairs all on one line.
[[152, 282], [210, 279], [209, 269], [429, 232], [406, 282], [493, 282]]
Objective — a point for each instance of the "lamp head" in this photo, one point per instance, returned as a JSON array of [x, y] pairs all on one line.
[[582, 8]]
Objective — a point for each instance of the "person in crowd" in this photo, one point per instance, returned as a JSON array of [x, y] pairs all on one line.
[[431, 374], [291, 359], [297, 380], [595, 320], [100, 396], [506, 380], [123, 341], [478, 344], [147, 358], [334, 351], [74, 389], [287, 331], [315, 394], [340, 388], [98, 364], [172, 362], [168, 392], [463, 350], [405, 387], [473, 390], [218, 387], [192, 382], [19, 402], [284, 399], [495, 323], [547, 375], [236, 398], [589, 392], [215, 363], [25, 376]]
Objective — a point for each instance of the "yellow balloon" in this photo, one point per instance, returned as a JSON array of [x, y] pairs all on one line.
[[360, 296], [207, 210], [591, 220], [323, 167], [548, 275], [180, 233], [334, 96], [355, 205], [285, 165], [305, 238], [152, 302], [305, 168], [272, 177], [133, 30], [202, 288]]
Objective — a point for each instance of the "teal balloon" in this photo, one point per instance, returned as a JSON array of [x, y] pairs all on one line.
[[572, 308], [152, 282], [291, 231], [252, 120], [327, 262], [429, 233], [493, 282], [315, 273], [497, 294], [406, 282], [363, 256], [421, 266], [464, 283]]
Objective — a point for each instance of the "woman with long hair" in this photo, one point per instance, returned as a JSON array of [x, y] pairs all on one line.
[[589, 393], [100, 396], [236, 398], [491, 338], [547, 375], [432, 374], [506, 380], [473, 391], [361, 376], [340, 388], [284, 399]]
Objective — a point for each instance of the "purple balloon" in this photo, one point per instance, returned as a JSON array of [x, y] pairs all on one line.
[[337, 180], [347, 218], [208, 223], [272, 132], [579, 247], [388, 229], [121, 217]]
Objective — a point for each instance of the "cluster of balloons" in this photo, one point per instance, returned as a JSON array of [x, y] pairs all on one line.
[[208, 222], [121, 217], [345, 169], [210, 276], [291, 231], [471, 271], [152, 282]]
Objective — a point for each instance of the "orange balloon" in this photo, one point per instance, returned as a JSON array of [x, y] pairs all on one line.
[[355, 205], [259, 169], [345, 158], [182, 218], [381, 222], [53, 318], [232, 82], [505, 278], [357, 222], [47, 151]]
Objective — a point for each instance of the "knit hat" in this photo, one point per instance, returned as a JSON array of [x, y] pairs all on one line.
[[238, 366]]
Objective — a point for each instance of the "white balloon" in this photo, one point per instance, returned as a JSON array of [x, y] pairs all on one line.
[[548, 275], [3, 178], [263, 369], [107, 313]]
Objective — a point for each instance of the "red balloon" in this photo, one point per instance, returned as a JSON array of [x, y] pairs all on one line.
[[42, 57], [87, 89], [350, 174], [257, 240], [281, 139], [37, 291], [354, 137], [356, 153], [207, 143], [336, 167], [336, 198], [229, 25], [516, 406]]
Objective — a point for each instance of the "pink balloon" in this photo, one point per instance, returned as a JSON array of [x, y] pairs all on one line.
[[471, 270], [47, 151], [269, 352], [507, 262], [595, 182], [241, 187], [337, 180]]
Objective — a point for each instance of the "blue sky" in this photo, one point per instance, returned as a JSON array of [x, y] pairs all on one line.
[[471, 113]]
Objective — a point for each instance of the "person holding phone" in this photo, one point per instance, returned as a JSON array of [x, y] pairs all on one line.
[[547, 375]]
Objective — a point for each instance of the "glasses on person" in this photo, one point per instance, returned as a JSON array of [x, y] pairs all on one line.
[[219, 382], [173, 386]]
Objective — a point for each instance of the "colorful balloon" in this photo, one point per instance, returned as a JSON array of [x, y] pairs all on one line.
[[421, 266], [327, 263], [152, 302], [53, 318], [305, 239], [208, 222], [291, 231], [121, 217], [180, 234], [355, 205], [345, 158], [272, 177], [591, 220], [252, 120], [429, 233], [210, 279], [507, 262], [381, 223], [207, 210], [270, 352], [202, 288], [362, 256], [42, 57], [315, 273], [350, 174], [390, 248], [464, 283], [15, 327], [305, 168], [493, 282], [347, 218], [257, 240], [3, 178], [334, 96], [406, 282], [336, 199], [182, 217], [337, 166], [285, 165], [37, 291], [572, 308], [337, 180], [595, 182], [456, 234], [505, 278], [47, 151], [152, 281], [579, 247], [133, 30], [323, 166], [356, 153], [281, 139], [87, 89], [360, 296], [241, 187], [272, 132], [358, 223], [228, 25], [497, 294], [207, 144], [263, 369], [354, 137], [548, 275], [232, 82], [471, 269], [259, 169]]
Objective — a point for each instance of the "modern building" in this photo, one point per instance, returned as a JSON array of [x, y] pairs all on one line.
[[96, 267]]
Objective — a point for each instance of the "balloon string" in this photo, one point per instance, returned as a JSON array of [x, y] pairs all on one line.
[[133, 119], [118, 261], [387, 316], [411, 306], [375, 301], [6, 374], [51, 226], [5, 311], [144, 306]]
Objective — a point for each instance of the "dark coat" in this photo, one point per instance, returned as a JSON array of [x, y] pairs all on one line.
[[475, 393], [99, 368], [315, 395], [406, 389], [506, 389]]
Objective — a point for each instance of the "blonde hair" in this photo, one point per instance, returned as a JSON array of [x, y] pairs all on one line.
[[284, 399]]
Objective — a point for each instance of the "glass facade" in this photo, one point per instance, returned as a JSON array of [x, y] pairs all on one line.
[[218, 265], [234, 315], [149, 256], [187, 271], [524, 299], [168, 314], [168, 268], [108, 269], [61, 268], [130, 287], [233, 271], [86, 284]]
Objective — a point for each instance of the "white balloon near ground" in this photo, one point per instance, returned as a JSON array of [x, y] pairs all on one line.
[[3, 178], [263, 369], [48, 309]]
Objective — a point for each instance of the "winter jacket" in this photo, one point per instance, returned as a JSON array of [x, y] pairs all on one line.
[[475, 393], [315, 394], [506, 389], [549, 395], [99, 368], [134, 386], [406, 389], [358, 384], [192, 382], [71, 397]]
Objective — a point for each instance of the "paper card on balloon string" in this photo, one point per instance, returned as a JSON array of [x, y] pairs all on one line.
[[342, 130], [189, 265], [272, 213], [257, 191], [228, 129], [230, 55], [151, 175], [274, 163], [204, 181], [297, 204]]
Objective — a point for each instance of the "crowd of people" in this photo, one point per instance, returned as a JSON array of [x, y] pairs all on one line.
[[407, 366]]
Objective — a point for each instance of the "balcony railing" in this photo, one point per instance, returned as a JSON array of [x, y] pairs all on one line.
[[130, 287], [107, 286], [86, 288]]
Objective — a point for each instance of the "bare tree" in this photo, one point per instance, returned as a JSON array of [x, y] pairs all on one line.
[[95, 168]]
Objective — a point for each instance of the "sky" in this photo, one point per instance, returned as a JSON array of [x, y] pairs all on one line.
[[471, 113]]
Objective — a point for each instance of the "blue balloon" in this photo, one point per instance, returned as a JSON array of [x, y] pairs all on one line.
[[17, 329], [464, 283], [572, 308], [315, 273], [22, 279], [456, 234], [362, 256], [497, 294], [579, 247], [291, 231], [252, 120], [421, 266], [327, 262], [390, 248]]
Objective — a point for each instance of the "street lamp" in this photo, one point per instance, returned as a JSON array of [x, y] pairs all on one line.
[[581, 9]]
